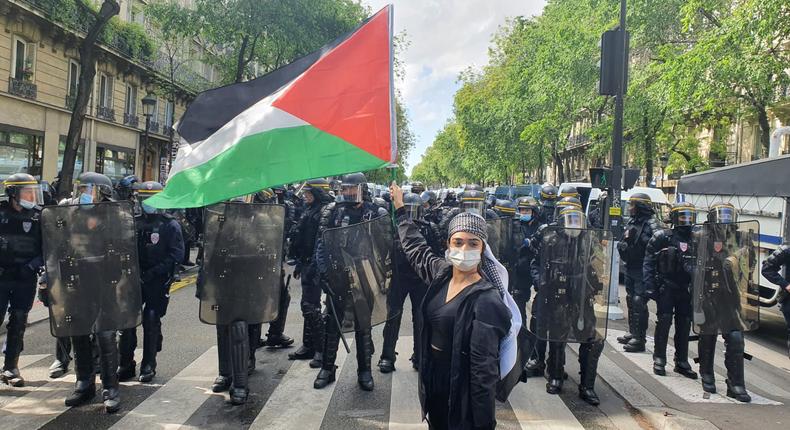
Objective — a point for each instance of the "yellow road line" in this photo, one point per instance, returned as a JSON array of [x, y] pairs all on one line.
[[175, 286]]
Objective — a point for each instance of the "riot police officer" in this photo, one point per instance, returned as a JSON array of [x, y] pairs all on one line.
[[417, 187], [432, 211], [473, 200], [527, 225], [20, 260], [548, 197], [406, 283], [569, 191], [667, 270], [562, 284], [352, 206], [302, 249], [125, 187], [772, 267], [721, 301], [504, 208], [160, 248], [638, 231]]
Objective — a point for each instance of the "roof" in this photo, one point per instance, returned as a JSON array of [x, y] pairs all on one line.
[[765, 177]]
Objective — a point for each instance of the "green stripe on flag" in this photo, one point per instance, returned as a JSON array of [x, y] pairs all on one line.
[[274, 157]]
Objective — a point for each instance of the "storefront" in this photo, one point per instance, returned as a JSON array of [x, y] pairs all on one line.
[[21, 151]]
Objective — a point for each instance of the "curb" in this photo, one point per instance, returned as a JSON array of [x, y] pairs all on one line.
[[664, 418]]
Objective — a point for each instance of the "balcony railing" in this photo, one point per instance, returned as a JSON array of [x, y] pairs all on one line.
[[131, 120], [105, 113], [153, 127], [22, 88]]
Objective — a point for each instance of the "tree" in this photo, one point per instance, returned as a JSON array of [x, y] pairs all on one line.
[[87, 51]]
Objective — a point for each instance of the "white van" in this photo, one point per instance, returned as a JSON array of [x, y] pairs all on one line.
[[590, 195]]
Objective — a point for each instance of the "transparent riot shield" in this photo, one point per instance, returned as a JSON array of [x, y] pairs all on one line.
[[573, 289], [240, 277], [360, 269], [498, 232], [92, 268], [726, 285]]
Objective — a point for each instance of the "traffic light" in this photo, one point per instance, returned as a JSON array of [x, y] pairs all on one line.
[[612, 68], [601, 177], [630, 176]]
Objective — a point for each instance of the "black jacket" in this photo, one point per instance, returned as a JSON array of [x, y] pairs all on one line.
[[523, 280], [772, 267], [306, 230], [20, 244], [637, 233], [669, 261], [482, 322]]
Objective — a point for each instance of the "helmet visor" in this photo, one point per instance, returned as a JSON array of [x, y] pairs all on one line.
[[29, 192], [724, 214], [572, 219], [475, 206], [685, 217], [413, 211], [86, 192], [351, 193]]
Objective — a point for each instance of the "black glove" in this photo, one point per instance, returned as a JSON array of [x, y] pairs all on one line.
[[27, 272], [297, 270]]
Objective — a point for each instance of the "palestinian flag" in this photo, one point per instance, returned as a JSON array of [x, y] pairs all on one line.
[[329, 113]]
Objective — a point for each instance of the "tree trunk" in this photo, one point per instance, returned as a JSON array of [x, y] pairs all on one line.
[[765, 130], [648, 151], [240, 61], [109, 8], [558, 167]]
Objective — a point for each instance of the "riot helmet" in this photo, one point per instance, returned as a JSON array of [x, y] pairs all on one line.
[[490, 201], [316, 188], [25, 190], [124, 188], [722, 213], [92, 187], [640, 204], [473, 187], [48, 193], [413, 205], [429, 199], [378, 201], [417, 187], [526, 208], [280, 192], [505, 208], [569, 191], [386, 196], [265, 195], [566, 202], [353, 188], [548, 195], [472, 201], [683, 215], [142, 191], [572, 220]]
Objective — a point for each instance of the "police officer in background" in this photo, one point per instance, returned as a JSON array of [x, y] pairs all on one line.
[[473, 200], [417, 187], [352, 206], [406, 283], [668, 267], [548, 198], [20, 260], [160, 248], [771, 270], [432, 211], [316, 197], [504, 208], [640, 228], [526, 226]]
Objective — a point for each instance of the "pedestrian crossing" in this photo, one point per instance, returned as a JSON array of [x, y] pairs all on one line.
[[294, 404]]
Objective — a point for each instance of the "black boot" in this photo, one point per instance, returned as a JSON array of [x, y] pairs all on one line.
[[589, 353], [83, 392], [555, 366], [682, 327], [254, 334], [391, 330], [85, 388], [733, 361], [152, 330], [62, 358], [240, 360], [318, 340], [275, 337], [223, 380], [627, 337], [127, 343], [306, 351], [17, 321], [640, 316], [331, 343], [707, 351], [660, 338], [364, 353], [109, 371]]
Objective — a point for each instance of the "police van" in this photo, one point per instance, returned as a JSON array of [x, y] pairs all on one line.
[[760, 190]]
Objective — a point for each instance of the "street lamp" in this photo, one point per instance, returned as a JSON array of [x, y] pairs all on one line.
[[149, 101], [664, 158]]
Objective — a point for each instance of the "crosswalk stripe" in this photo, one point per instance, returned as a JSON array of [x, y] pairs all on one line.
[[537, 409], [687, 389], [294, 403], [622, 382], [40, 406], [171, 405], [775, 359], [405, 410]]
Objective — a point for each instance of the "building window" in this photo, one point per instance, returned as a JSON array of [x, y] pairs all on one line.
[[105, 91], [79, 162], [114, 162], [169, 112], [20, 152], [74, 78], [22, 60], [131, 100]]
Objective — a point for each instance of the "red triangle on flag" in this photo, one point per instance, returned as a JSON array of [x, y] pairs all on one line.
[[348, 92]]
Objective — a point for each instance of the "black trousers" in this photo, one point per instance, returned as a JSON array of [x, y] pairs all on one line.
[[437, 403], [415, 290]]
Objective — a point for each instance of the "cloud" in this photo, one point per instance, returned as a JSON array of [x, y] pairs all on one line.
[[446, 37]]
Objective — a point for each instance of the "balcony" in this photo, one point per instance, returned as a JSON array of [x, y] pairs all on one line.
[[131, 120], [22, 88], [153, 127], [105, 113]]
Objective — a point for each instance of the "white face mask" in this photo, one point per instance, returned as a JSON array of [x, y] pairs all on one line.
[[27, 204], [465, 261]]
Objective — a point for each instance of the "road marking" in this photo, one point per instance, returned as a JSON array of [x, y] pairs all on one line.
[[171, 405], [536, 409], [295, 403], [687, 389], [39, 406], [775, 359], [405, 410], [188, 280]]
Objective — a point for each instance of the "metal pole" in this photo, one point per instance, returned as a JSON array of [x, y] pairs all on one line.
[[145, 144], [615, 209]]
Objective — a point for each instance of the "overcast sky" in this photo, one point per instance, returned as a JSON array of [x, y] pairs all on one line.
[[446, 37]]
